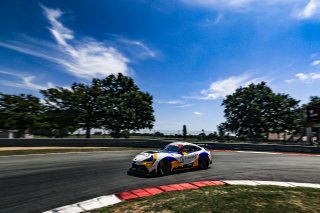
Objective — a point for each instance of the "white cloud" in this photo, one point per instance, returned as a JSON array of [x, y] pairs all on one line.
[[210, 22], [171, 102], [176, 103], [218, 3], [29, 50], [315, 63], [312, 9], [26, 81], [185, 105], [218, 18], [87, 58], [144, 52], [222, 88], [289, 81], [304, 77], [301, 9], [198, 113]]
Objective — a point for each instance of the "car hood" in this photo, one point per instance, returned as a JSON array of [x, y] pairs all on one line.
[[148, 155]]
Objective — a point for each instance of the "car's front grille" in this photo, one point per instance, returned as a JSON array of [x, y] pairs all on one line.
[[139, 169]]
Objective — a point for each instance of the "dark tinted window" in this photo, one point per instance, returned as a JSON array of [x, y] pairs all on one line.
[[171, 148], [190, 148]]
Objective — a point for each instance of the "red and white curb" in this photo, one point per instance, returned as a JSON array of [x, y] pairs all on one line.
[[108, 200]]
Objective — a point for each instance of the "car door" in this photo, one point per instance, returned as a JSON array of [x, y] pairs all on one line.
[[188, 154]]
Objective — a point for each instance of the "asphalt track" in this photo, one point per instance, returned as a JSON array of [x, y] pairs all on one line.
[[39, 183]]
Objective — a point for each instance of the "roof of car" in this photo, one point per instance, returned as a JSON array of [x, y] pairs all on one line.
[[181, 143]]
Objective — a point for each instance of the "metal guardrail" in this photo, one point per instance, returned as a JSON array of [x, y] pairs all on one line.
[[151, 143]]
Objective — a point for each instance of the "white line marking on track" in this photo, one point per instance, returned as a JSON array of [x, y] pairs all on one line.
[[67, 209], [312, 185], [274, 183], [241, 182], [87, 205]]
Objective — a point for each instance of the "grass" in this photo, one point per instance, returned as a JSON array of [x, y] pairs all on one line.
[[64, 150], [229, 199]]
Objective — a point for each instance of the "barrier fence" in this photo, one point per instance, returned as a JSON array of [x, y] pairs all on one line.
[[151, 143]]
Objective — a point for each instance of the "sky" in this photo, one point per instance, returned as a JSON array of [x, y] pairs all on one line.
[[189, 54]]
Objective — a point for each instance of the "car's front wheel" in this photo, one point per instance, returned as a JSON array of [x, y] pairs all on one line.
[[204, 163], [164, 167]]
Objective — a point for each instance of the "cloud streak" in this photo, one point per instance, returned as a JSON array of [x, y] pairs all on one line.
[[81, 57], [315, 63], [304, 77], [218, 3], [300, 9], [222, 88], [311, 10], [171, 102], [88, 58], [26, 81], [198, 113]]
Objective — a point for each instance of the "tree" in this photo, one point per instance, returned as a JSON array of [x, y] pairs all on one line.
[[202, 135], [303, 114], [86, 105], [61, 111], [314, 100], [213, 135], [114, 103], [284, 114], [255, 110], [123, 106], [184, 132], [221, 130], [158, 134], [19, 112]]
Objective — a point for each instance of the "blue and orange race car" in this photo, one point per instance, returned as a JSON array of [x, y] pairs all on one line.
[[175, 156]]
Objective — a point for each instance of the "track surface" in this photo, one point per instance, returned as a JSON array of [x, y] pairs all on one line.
[[39, 183]]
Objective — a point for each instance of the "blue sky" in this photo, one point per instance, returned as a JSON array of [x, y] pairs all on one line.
[[189, 54]]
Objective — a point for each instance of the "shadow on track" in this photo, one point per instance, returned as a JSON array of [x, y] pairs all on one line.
[[176, 172]]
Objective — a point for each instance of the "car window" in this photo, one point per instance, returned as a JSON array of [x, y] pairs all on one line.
[[190, 149], [171, 148]]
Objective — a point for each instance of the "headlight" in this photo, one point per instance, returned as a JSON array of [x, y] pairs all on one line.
[[146, 154], [150, 159]]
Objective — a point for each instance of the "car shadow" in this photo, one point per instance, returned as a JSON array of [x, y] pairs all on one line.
[[176, 172]]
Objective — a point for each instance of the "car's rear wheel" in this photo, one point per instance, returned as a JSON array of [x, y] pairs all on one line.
[[164, 167], [204, 163]]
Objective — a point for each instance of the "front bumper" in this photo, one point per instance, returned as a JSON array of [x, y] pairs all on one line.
[[140, 170]]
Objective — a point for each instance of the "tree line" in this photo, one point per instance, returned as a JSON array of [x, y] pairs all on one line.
[[255, 111], [114, 103]]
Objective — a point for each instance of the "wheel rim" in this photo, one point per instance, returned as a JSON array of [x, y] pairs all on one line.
[[165, 167]]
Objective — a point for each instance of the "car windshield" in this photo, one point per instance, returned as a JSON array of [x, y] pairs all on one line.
[[171, 148]]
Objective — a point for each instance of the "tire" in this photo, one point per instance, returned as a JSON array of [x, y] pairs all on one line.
[[204, 163], [164, 167]]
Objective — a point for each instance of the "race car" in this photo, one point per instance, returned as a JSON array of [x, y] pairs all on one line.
[[174, 156]]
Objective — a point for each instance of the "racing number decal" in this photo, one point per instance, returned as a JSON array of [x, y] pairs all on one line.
[[181, 159], [186, 158]]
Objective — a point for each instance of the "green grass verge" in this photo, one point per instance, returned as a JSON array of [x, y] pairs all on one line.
[[47, 151], [242, 199]]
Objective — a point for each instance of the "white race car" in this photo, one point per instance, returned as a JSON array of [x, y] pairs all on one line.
[[175, 156]]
